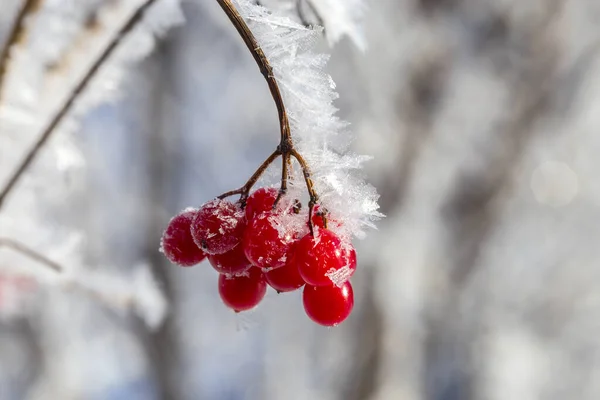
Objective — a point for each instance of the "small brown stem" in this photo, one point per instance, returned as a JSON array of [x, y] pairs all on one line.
[[23, 249], [231, 193], [245, 190], [290, 168], [285, 164], [313, 197], [51, 128]]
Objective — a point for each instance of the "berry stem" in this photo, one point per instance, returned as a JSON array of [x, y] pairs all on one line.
[[286, 146], [313, 197], [285, 165], [245, 190]]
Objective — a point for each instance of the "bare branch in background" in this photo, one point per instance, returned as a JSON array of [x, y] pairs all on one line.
[[64, 110], [31, 253], [16, 34], [304, 18]]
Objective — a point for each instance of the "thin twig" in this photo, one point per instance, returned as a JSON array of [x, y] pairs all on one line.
[[15, 36], [109, 299], [285, 174], [23, 249], [244, 190], [313, 198], [50, 129]]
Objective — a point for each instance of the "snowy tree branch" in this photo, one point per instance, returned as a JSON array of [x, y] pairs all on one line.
[[64, 110]]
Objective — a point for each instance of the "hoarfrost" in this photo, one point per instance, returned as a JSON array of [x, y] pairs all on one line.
[[339, 276], [318, 134]]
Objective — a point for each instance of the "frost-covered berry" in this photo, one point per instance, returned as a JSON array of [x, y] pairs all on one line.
[[234, 262], [243, 292], [286, 278], [267, 240], [328, 305], [260, 201], [177, 243], [324, 259], [218, 226]]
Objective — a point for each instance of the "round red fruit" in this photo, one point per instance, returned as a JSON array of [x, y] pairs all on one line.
[[177, 243], [242, 292], [260, 201], [234, 262], [286, 278], [218, 226], [324, 259], [267, 241], [328, 305]]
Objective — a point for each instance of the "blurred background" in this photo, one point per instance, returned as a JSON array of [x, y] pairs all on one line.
[[481, 283]]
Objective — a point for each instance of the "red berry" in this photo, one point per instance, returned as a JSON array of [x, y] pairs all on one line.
[[234, 262], [243, 292], [218, 227], [260, 201], [267, 240], [324, 259], [328, 305], [286, 278], [177, 243]]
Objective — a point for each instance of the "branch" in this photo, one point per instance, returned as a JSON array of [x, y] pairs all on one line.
[[286, 146], [23, 249], [111, 296], [15, 36], [51, 128], [244, 190]]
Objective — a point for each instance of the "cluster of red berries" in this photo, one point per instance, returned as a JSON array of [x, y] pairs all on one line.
[[262, 244]]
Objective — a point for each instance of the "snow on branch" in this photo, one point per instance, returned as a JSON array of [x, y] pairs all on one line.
[[71, 59], [61, 59], [339, 18], [318, 134]]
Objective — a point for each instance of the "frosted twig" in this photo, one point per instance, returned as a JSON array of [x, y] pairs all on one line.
[[244, 190], [59, 116], [286, 146], [121, 295], [15, 35]]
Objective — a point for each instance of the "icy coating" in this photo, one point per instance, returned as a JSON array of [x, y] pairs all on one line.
[[268, 238], [177, 243], [320, 136], [339, 276], [218, 226]]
